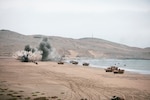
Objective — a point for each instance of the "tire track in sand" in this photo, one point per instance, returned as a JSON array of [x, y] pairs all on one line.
[[86, 88]]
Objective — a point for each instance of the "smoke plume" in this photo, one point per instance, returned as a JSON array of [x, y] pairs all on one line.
[[26, 56], [45, 47], [43, 52]]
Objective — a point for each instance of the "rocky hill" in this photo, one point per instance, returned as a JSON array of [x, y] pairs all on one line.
[[11, 42]]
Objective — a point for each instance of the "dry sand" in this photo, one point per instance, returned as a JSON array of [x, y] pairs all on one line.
[[27, 81]]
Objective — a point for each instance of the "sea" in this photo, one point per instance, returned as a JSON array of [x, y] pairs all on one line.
[[131, 65]]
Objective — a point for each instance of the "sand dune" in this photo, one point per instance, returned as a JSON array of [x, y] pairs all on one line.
[[68, 82]]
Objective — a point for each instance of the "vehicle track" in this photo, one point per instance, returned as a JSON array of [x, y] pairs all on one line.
[[92, 90], [77, 87]]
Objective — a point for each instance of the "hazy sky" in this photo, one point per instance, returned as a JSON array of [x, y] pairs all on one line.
[[121, 21]]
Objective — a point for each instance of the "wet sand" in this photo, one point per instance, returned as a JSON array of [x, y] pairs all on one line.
[[27, 81]]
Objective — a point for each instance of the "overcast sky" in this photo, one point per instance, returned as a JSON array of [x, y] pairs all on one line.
[[121, 21]]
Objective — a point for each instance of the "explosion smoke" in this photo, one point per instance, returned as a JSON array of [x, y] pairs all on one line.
[[44, 52], [45, 48], [26, 56]]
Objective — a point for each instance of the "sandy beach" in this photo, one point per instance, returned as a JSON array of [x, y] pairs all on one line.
[[27, 81]]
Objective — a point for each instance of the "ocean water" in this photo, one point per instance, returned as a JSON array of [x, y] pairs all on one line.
[[138, 66]]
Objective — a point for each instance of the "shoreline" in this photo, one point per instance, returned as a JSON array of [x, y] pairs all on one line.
[[136, 71], [126, 67], [69, 82], [126, 70]]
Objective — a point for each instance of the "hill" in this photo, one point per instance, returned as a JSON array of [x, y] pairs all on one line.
[[11, 42]]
